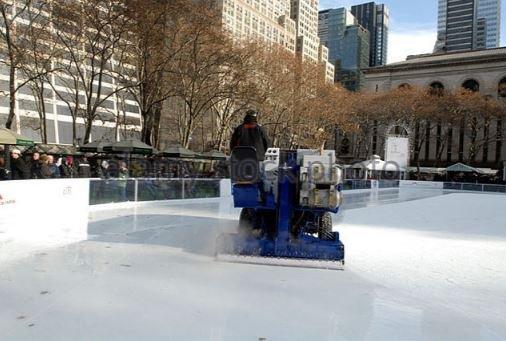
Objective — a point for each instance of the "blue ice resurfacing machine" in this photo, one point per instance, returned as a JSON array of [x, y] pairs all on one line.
[[287, 203]]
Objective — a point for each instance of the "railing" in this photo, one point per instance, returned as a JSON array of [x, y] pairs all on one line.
[[449, 186], [140, 190], [474, 187], [369, 184]]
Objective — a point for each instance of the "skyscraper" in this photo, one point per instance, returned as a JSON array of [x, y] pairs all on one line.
[[458, 31], [489, 13], [305, 15], [355, 57], [348, 44], [266, 20], [332, 25], [376, 19], [289, 23], [465, 25]]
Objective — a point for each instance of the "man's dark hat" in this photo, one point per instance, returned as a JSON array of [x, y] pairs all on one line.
[[251, 113]]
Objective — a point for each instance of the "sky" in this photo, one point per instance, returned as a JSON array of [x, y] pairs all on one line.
[[413, 25]]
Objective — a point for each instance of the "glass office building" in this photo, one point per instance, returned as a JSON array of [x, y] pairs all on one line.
[[489, 11], [376, 19], [332, 25], [465, 25]]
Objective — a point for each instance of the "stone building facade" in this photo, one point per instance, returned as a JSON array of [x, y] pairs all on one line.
[[452, 70], [268, 21], [309, 47], [483, 71]]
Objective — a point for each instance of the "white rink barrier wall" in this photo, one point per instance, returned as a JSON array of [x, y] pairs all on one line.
[[36, 215], [44, 211]]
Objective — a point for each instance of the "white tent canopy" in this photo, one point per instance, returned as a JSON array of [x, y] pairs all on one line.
[[374, 167], [462, 168], [376, 164]]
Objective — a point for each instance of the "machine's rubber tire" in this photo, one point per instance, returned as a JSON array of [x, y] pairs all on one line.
[[247, 221], [325, 228]]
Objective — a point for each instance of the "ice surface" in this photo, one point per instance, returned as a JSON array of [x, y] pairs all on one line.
[[426, 266]]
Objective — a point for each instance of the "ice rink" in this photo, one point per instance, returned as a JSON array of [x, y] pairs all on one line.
[[420, 265]]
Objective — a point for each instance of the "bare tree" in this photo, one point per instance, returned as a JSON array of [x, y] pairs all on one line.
[[93, 35], [202, 69], [431, 117], [158, 32], [18, 20], [239, 94], [41, 51], [478, 112], [278, 85]]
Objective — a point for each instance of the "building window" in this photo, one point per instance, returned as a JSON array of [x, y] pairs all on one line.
[[502, 88], [436, 88], [471, 85]]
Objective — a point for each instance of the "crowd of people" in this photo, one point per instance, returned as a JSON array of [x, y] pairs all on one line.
[[43, 166]]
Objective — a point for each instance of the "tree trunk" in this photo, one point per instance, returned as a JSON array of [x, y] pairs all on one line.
[[156, 126], [221, 138], [442, 146], [147, 127], [12, 97], [87, 133], [43, 125], [74, 132], [417, 148]]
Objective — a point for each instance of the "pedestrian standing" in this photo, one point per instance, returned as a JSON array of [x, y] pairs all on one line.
[[105, 169], [55, 170], [19, 169], [45, 172], [84, 168], [34, 165], [123, 181], [4, 172], [68, 169]]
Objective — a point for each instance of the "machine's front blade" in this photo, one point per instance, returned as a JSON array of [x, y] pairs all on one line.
[[283, 262]]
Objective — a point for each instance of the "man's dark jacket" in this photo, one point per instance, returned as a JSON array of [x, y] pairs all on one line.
[[251, 134], [34, 166], [19, 169], [84, 169]]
